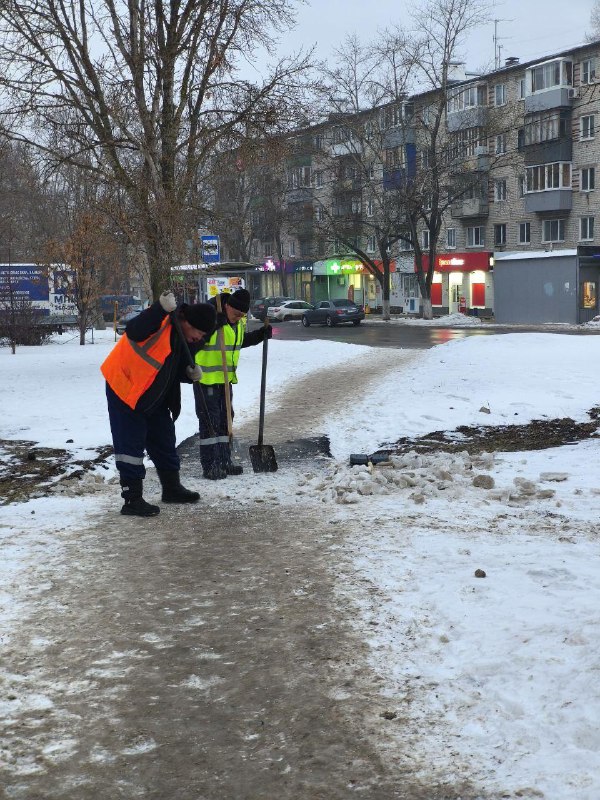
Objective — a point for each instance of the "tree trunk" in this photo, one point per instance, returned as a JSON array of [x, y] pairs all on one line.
[[385, 309], [427, 308]]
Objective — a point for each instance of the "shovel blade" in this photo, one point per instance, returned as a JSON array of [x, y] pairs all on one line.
[[263, 458]]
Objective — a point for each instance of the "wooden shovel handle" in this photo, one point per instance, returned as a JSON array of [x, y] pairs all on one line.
[[221, 338]]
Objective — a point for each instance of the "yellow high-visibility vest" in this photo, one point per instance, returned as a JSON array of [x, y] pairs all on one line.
[[211, 360]]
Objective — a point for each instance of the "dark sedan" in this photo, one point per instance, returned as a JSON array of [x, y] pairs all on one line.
[[333, 312]]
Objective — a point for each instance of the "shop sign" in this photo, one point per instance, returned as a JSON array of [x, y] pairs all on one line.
[[459, 262], [346, 266]]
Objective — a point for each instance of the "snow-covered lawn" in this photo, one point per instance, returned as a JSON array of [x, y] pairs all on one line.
[[498, 674]]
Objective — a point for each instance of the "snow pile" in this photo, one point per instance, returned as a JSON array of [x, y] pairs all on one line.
[[447, 321], [422, 477]]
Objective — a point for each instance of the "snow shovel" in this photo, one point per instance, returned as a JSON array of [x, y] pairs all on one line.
[[262, 455]]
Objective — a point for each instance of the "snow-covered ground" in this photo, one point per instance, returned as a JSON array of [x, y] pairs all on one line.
[[498, 674]]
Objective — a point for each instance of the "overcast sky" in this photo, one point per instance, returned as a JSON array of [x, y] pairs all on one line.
[[528, 29]]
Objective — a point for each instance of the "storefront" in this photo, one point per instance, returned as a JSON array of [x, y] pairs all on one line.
[[347, 278], [286, 279], [462, 282]]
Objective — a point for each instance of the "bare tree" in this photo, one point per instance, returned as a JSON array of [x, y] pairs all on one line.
[[88, 251], [142, 95]]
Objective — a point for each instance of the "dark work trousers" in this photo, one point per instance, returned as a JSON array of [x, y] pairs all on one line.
[[133, 433], [215, 451]]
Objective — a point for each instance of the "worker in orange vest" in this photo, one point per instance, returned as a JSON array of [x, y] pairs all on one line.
[[143, 373]]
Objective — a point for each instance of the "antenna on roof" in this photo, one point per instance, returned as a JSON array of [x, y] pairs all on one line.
[[497, 46]]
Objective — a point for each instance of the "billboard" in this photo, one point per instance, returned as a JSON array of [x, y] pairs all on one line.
[[215, 286], [50, 290]]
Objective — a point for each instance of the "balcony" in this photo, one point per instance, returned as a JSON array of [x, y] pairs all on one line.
[[548, 152], [559, 97], [398, 137], [469, 118], [550, 200], [470, 207]]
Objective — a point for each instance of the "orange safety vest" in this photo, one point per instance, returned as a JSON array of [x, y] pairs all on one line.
[[131, 367]]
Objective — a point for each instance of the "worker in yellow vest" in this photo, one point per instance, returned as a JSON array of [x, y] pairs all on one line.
[[209, 391]]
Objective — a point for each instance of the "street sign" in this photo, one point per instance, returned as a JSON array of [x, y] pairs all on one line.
[[210, 249]]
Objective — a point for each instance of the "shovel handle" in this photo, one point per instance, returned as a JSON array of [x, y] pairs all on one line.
[[263, 386], [186, 348], [221, 337]]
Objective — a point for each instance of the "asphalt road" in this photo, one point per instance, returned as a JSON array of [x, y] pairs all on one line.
[[412, 337]]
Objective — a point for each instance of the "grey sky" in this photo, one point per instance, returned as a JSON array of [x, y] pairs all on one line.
[[528, 29]]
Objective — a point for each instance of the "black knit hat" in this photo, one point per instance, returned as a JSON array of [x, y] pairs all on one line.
[[201, 316], [239, 300]]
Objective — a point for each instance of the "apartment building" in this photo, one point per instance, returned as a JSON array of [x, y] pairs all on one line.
[[518, 241]]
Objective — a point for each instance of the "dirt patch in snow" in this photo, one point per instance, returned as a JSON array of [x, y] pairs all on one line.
[[539, 434], [28, 470]]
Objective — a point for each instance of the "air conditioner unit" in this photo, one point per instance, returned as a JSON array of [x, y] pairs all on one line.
[[573, 93]]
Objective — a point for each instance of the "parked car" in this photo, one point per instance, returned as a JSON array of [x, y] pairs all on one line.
[[259, 307], [290, 309], [122, 322], [333, 312]]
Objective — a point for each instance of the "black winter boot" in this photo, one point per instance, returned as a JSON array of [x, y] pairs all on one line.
[[135, 505], [173, 491], [234, 469]]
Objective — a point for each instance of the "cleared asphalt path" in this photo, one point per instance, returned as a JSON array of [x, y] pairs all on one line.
[[412, 337]]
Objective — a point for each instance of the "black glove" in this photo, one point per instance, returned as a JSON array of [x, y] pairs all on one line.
[[267, 332]]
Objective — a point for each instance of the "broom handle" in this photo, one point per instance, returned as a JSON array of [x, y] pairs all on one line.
[[263, 385], [221, 337]]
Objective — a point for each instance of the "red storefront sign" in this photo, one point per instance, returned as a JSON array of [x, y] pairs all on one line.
[[459, 262]]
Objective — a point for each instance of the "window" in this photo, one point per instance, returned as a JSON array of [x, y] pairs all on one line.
[[451, 238], [471, 97], [524, 232], [586, 127], [588, 179], [292, 248], [395, 157], [521, 89], [299, 177], [425, 240], [586, 229], [500, 94], [522, 183], [268, 246], [500, 234], [500, 192], [476, 236], [545, 177], [371, 244], [355, 205], [553, 230], [589, 295], [588, 70], [425, 158], [467, 142], [318, 141], [545, 127], [405, 245], [500, 144], [319, 178], [553, 73], [319, 213], [370, 208]]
